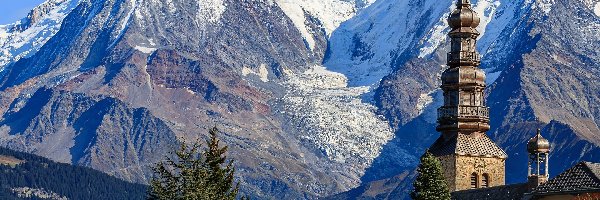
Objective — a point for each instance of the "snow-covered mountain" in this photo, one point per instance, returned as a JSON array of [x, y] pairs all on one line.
[[541, 64], [313, 97], [26, 36]]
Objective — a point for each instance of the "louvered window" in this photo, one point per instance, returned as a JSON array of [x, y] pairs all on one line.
[[474, 180], [485, 181]]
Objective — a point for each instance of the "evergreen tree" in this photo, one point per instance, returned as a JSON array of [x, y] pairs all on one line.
[[430, 183], [195, 175]]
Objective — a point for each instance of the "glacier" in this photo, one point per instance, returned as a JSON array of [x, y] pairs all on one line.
[[335, 118], [330, 105]]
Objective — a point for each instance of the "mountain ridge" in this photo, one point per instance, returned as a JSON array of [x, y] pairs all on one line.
[[313, 101]]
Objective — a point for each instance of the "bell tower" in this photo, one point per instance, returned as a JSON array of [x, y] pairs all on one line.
[[469, 157], [537, 171]]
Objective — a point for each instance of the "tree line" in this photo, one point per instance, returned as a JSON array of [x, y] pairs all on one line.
[[73, 182]]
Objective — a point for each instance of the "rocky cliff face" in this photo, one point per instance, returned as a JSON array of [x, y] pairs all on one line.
[[313, 97], [102, 133], [555, 68], [183, 67]]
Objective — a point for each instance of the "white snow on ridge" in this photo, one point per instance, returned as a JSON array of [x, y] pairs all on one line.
[[146, 50], [207, 12], [597, 9], [433, 100], [16, 45], [331, 13], [363, 48], [171, 6], [210, 10], [437, 35], [133, 4], [263, 72], [4, 31], [486, 10], [544, 5], [502, 16], [423, 101]]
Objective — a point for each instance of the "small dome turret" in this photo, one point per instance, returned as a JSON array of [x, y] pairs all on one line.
[[463, 16], [538, 144]]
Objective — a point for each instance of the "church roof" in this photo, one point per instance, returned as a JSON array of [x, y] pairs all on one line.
[[463, 144], [504, 192], [582, 177]]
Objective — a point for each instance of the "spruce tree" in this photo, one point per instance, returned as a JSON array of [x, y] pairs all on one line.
[[195, 175], [221, 178], [430, 183]]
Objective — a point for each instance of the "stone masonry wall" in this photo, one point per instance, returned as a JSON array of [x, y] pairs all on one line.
[[449, 168], [466, 165], [458, 170]]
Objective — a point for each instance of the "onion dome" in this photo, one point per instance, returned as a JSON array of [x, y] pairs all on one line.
[[538, 144], [463, 16]]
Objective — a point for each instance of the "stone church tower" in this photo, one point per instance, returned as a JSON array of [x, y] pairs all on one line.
[[469, 158]]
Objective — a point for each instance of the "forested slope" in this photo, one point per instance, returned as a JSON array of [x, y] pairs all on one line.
[[22, 170]]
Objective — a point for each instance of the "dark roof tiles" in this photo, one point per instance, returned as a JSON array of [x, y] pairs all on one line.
[[584, 176], [581, 178], [462, 144]]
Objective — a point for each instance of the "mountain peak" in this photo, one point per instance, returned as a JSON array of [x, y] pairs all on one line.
[[25, 37], [314, 96]]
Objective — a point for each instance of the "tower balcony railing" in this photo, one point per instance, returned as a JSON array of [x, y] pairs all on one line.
[[464, 57], [464, 112]]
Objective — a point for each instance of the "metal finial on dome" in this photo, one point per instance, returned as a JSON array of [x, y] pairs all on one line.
[[538, 144], [463, 17], [463, 2]]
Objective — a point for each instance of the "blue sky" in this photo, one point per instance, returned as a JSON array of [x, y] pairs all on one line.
[[13, 10]]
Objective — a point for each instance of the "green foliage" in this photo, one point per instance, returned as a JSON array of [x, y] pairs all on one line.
[[193, 175], [73, 182], [430, 183]]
